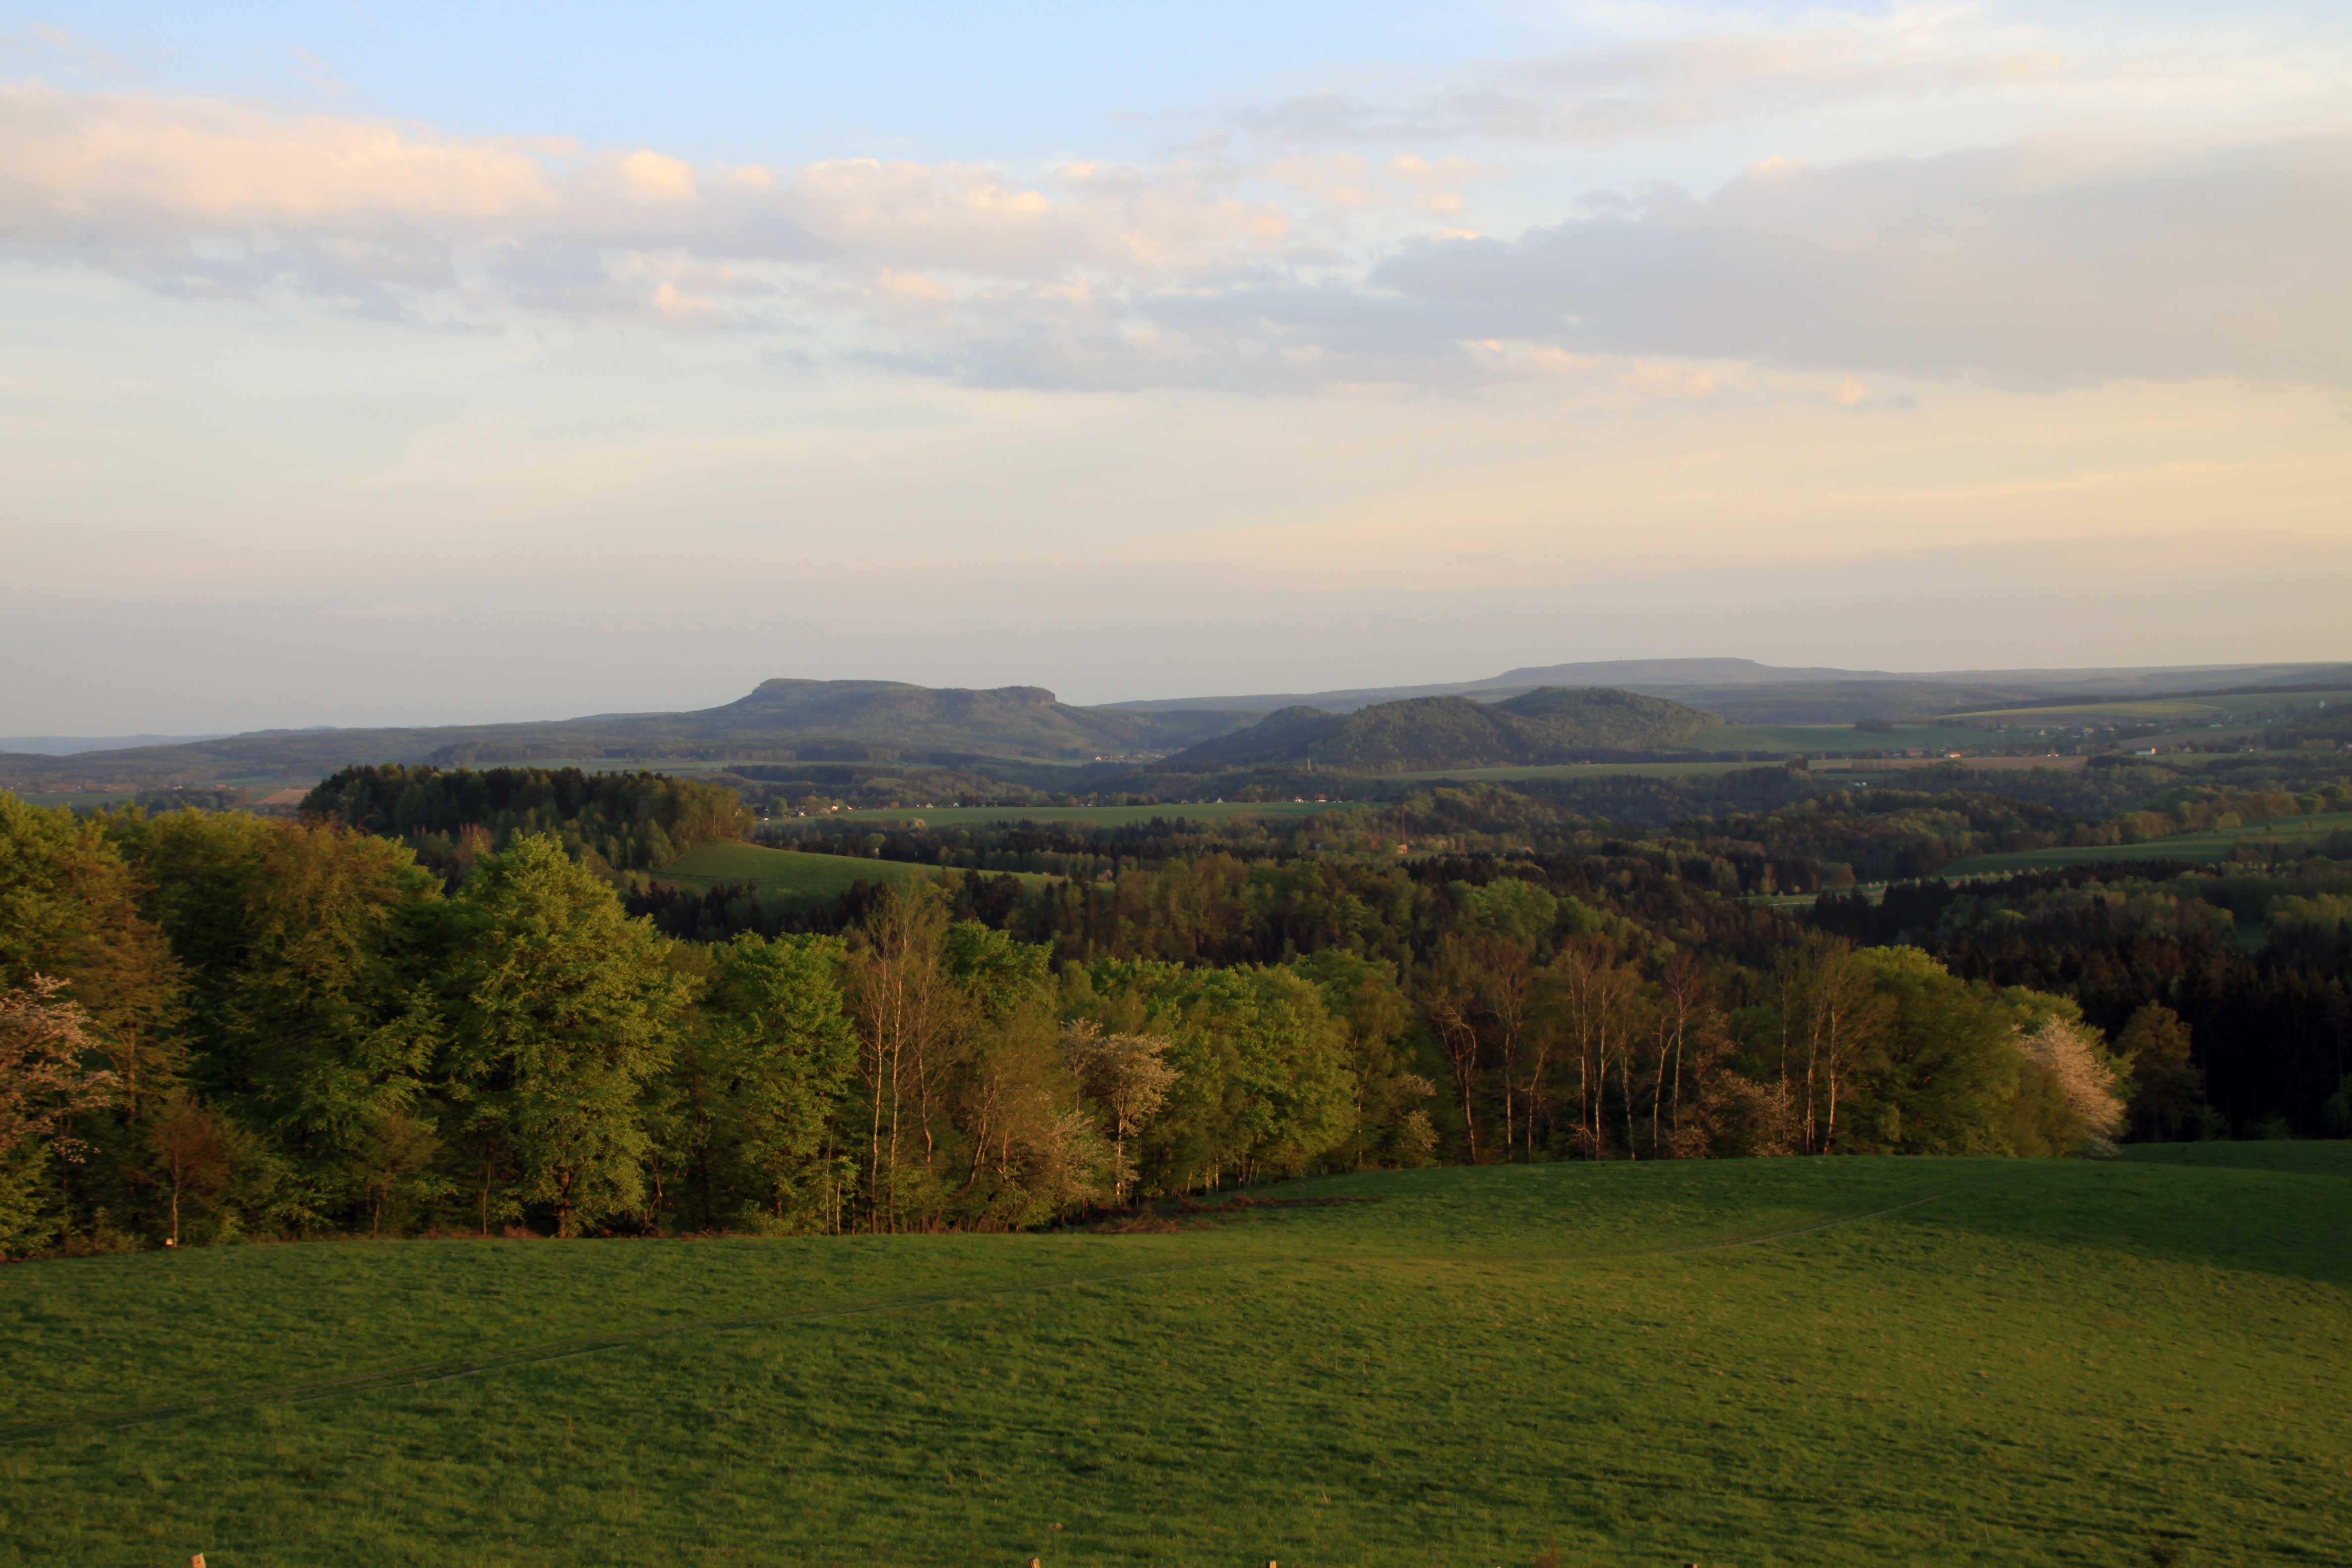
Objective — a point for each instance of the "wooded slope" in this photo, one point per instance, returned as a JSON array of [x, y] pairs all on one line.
[[1550, 724]]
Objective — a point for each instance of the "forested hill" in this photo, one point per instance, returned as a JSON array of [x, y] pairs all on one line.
[[779, 720], [1550, 724], [610, 822], [1005, 720]]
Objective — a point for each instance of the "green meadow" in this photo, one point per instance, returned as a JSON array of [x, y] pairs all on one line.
[[2284, 833], [1084, 815], [1819, 739], [791, 875], [1580, 771], [2158, 710], [1835, 1361], [88, 799]]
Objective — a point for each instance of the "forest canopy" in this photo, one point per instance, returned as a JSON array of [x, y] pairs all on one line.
[[225, 1025]]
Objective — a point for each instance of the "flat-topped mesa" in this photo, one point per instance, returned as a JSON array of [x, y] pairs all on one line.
[[777, 686]]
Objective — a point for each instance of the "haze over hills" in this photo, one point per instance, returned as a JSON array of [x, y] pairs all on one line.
[[1742, 689], [1550, 724], [884, 720], [73, 746], [789, 719]]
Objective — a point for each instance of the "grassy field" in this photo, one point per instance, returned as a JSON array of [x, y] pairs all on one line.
[[1818, 740], [1703, 770], [1581, 771], [1082, 816], [1921, 1362], [791, 875], [2287, 832], [88, 799], [1861, 767], [2158, 710]]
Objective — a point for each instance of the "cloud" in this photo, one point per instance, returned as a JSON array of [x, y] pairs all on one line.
[[2043, 262], [1598, 96], [2039, 262], [204, 196]]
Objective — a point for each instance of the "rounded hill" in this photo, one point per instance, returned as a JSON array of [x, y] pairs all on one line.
[[1550, 724]]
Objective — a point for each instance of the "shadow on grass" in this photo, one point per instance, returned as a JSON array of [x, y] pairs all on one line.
[[2287, 1220]]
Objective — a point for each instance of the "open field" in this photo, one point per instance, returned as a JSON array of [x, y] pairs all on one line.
[[1703, 770], [2287, 832], [1915, 1361], [1818, 739], [1082, 816], [1581, 771], [2159, 710], [88, 799], [792, 875], [1983, 764]]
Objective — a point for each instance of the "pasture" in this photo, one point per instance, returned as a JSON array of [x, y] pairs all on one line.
[[1581, 770], [789, 875], [1081, 815], [2209, 710], [2285, 833], [1830, 740], [1765, 1363], [84, 799]]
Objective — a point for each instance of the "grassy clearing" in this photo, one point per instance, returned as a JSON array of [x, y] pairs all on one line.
[[1899, 765], [2285, 832], [1818, 740], [785, 873], [792, 875], [2043, 1362], [88, 799], [2158, 710], [1084, 815], [1583, 771]]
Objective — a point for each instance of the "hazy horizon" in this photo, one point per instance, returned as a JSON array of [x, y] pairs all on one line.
[[80, 737], [442, 367]]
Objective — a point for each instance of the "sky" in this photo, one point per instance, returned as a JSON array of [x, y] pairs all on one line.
[[437, 364]]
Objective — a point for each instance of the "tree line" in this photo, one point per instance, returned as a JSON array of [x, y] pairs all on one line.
[[610, 821], [218, 1025]]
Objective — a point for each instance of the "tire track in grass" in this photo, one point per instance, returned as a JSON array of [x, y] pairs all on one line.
[[420, 1375]]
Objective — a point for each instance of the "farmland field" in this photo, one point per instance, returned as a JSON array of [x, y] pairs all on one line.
[[1854, 1361], [1081, 815], [1582, 771], [1980, 765], [789, 875], [87, 799], [2287, 832], [2158, 710], [1830, 764], [1818, 739]]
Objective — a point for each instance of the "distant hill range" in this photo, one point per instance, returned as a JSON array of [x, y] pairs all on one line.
[[71, 745], [1550, 724], [802, 721], [886, 721], [1746, 692]]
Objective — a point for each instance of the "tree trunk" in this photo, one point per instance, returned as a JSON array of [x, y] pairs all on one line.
[[1625, 1088]]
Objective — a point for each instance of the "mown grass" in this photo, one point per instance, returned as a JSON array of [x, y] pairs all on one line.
[[2284, 832], [2045, 1362]]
